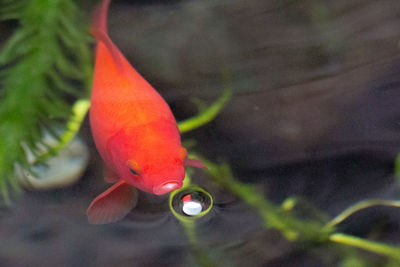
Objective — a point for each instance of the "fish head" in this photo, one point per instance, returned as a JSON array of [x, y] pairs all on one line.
[[150, 164], [158, 174]]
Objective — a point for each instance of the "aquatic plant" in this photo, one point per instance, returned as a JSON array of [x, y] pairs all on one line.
[[282, 217], [45, 67], [320, 230]]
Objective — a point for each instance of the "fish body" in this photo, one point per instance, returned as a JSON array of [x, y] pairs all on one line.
[[134, 131]]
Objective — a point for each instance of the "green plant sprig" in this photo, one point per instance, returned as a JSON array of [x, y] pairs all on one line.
[[375, 247], [43, 63], [360, 206], [207, 114], [292, 228]]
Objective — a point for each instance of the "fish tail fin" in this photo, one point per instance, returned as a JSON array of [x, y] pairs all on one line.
[[100, 31], [99, 19]]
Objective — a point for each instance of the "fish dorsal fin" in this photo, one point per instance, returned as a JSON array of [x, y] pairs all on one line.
[[100, 32], [113, 204]]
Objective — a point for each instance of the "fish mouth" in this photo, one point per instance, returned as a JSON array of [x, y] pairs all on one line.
[[166, 187]]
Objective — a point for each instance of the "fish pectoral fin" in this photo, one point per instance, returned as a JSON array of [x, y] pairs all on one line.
[[195, 163], [113, 204], [110, 176]]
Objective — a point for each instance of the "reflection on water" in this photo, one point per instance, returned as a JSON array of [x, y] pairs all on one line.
[[314, 115], [191, 201]]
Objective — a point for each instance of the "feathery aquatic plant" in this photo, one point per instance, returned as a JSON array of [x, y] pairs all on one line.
[[45, 66]]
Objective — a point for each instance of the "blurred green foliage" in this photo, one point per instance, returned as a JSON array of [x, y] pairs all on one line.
[[45, 65], [307, 231], [316, 228]]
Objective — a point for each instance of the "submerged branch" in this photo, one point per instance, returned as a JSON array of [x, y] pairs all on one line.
[[79, 110], [360, 206], [376, 247], [209, 113], [292, 228]]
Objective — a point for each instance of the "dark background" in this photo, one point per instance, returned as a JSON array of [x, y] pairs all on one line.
[[314, 114]]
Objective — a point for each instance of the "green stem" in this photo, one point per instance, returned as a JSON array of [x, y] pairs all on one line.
[[190, 231], [79, 110], [397, 168], [359, 206], [201, 256], [207, 115], [293, 228], [272, 215], [189, 227], [372, 246]]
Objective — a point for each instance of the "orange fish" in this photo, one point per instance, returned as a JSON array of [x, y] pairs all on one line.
[[134, 130]]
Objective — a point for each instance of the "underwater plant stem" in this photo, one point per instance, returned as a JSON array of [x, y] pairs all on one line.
[[79, 110], [206, 115], [198, 252], [267, 210], [360, 206], [190, 231], [189, 227], [296, 229], [397, 169], [376, 247], [272, 215]]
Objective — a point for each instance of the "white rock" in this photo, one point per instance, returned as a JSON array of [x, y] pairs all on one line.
[[59, 171]]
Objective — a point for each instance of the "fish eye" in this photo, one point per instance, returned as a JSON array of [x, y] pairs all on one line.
[[133, 171]]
